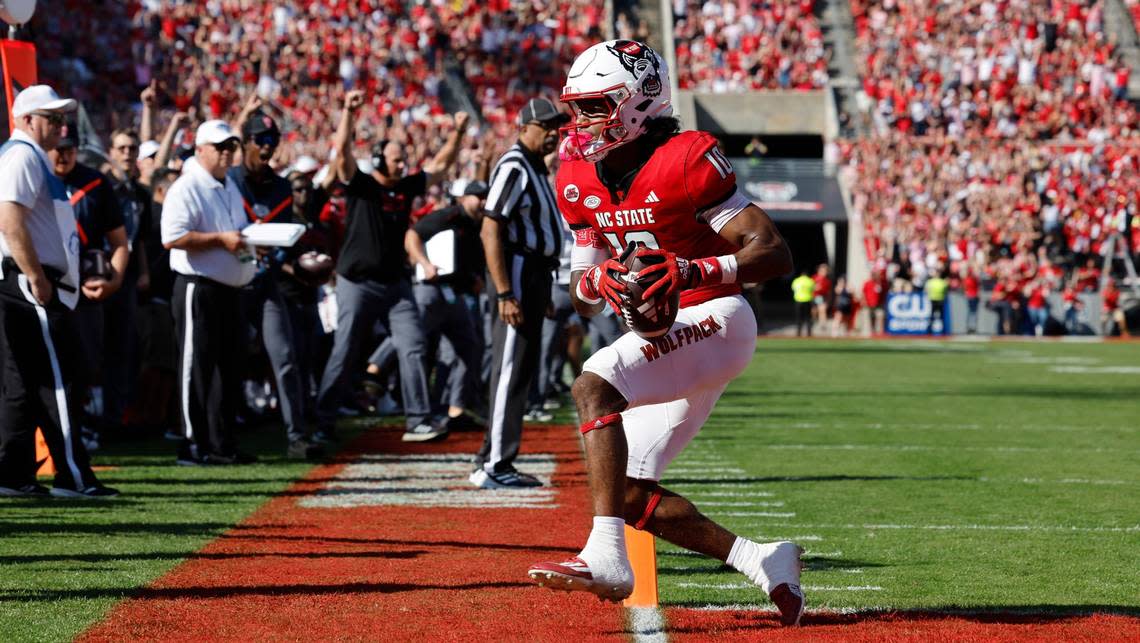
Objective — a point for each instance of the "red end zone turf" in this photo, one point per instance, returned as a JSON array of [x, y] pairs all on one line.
[[381, 573], [700, 625], [441, 573]]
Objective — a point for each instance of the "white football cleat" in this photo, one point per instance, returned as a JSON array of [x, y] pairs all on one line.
[[575, 575], [782, 565]]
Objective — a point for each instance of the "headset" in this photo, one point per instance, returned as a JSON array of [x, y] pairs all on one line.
[[378, 162]]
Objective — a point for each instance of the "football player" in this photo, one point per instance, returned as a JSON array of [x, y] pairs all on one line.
[[629, 175]]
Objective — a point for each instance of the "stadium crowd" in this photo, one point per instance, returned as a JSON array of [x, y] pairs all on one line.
[[736, 46], [1003, 149]]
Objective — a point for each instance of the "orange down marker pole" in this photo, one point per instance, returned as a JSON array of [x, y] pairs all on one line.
[[47, 467], [643, 558]]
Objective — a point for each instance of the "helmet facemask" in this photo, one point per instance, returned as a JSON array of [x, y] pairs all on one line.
[[590, 111], [616, 111]]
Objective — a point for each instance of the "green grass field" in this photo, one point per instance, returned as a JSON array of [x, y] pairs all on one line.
[[927, 475], [918, 475]]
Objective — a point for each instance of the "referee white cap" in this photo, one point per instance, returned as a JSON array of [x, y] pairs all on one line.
[[214, 132], [41, 98]]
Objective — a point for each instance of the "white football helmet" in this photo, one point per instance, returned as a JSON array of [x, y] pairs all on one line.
[[619, 84]]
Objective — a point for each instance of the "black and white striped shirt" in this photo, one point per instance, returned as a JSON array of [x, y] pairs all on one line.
[[522, 198]]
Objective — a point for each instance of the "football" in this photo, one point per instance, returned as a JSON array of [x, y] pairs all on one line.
[[648, 318], [314, 267]]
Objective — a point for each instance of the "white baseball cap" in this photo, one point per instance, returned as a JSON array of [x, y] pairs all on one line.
[[41, 98], [306, 165], [212, 133], [148, 149]]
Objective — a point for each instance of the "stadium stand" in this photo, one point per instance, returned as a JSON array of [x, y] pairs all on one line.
[[726, 46], [1002, 138]]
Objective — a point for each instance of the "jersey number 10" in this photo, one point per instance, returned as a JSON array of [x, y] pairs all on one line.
[[631, 237]]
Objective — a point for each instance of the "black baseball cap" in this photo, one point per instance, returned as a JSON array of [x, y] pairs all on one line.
[[476, 188], [71, 139], [541, 110], [259, 123]]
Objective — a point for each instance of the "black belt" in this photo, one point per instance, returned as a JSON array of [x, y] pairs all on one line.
[[54, 275]]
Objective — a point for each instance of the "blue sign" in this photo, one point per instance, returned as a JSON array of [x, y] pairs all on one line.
[[909, 314]]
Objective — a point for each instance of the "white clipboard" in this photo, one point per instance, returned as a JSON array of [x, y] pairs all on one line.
[[440, 251], [281, 235]]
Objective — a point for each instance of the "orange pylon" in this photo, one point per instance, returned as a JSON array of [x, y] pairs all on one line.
[[643, 558], [43, 456]]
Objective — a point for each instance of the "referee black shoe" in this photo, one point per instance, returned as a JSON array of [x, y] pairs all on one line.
[[237, 457], [304, 450], [95, 491], [30, 490]]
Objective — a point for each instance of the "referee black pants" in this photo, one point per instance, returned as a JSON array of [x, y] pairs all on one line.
[[40, 358], [514, 362], [211, 350]]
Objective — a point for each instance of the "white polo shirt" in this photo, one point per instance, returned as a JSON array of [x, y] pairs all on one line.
[[197, 202], [22, 181]]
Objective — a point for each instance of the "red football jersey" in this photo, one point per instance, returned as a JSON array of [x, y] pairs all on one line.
[[683, 178]]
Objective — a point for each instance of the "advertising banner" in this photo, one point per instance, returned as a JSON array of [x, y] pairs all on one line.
[[909, 314]]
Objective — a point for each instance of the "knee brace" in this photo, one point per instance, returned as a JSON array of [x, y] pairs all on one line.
[[650, 506], [613, 419]]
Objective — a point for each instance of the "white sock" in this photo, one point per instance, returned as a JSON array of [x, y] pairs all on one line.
[[605, 551], [768, 565]]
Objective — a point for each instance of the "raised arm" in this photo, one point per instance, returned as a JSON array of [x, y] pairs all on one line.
[[344, 165], [149, 98], [436, 169]]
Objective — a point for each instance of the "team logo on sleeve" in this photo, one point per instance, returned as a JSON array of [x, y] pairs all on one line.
[[570, 193], [592, 201]]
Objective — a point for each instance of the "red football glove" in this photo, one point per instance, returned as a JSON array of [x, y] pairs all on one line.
[[677, 273], [602, 282]]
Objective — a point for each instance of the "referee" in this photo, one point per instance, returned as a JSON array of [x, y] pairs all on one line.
[[39, 281], [522, 240], [201, 221]]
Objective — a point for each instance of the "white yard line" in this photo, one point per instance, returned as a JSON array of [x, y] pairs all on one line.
[[647, 624], [924, 447], [757, 514], [1026, 528], [806, 588], [730, 494], [778, 503]]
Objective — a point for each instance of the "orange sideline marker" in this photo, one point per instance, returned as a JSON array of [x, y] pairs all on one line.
[[643, 558], [47, 467]]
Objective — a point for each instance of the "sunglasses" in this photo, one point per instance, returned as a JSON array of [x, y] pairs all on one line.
[[53, 118], [267, 140], [302, 188], [226, 146]]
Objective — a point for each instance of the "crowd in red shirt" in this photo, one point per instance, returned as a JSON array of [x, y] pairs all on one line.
[[739, 46], [301, 56], [1003, 149]]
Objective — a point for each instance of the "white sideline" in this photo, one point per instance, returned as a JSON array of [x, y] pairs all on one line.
[[1028, 528]]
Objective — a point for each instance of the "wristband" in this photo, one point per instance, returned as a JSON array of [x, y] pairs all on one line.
[[584, 296], [505, 295], [728, 268]]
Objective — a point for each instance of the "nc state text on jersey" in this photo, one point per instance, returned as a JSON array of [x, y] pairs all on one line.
[[625, 218]]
